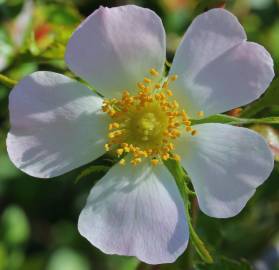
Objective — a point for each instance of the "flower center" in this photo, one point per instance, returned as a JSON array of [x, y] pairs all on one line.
[[145, 125]]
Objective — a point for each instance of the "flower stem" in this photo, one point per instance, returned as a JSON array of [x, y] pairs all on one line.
[[181, 179], [197, 242], [7, 81]]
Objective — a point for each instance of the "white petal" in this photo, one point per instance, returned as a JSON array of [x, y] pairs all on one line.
[[136, 211], [217, 68], [226, 164], [114, 48], [56, 125]]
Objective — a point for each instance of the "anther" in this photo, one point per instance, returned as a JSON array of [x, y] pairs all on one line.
[[157, 86], [127, 149], [154, 72], [113, 125], [111, 135], [171, 146], [141, 86], [194, 132], [187, 123], [157, 96], [165, 85], [147, 80], [154, 162], [169, 93], [173, 77], [122, 162], [166, 156], [107, 148], [119, 151], [136, 161]]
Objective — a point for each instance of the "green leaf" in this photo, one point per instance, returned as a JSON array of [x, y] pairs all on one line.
[[15, 226], [231, 120], [55, 51], [68, 259], [33, 47], [6, 49], [3, 257], [123, 263], [59, 14], [8, 170]]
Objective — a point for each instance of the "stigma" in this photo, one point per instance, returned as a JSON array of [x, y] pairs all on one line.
[[145, 125]]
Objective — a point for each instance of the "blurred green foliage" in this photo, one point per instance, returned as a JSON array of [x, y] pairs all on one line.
[[38, 217]]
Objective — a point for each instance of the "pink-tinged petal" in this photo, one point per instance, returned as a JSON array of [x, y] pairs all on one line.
[[226, 164], [56, 125], [136, 211], [114, 48], [217, 68]]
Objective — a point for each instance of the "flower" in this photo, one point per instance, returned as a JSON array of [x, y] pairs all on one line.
[[59, 124]]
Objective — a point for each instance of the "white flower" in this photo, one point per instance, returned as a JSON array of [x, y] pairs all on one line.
[[58, 124]]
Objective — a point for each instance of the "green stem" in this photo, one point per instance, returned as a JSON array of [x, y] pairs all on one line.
[[7, 81], [231, 120], [197, 242], [181, 180], [265, 120]]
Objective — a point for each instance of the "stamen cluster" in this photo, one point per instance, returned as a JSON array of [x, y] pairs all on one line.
[[146, 124]]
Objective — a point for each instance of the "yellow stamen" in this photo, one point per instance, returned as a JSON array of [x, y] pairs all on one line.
[[165, 85], [187, 123], [194, 132], [145, 124], [157, 86], [165, 156], [141, 86], [147, 80], [122, 162], [107, 148], [119, 151], [173, 77], [154, 72], [136, 161], [127, 149], [154, 162], [169, 93]]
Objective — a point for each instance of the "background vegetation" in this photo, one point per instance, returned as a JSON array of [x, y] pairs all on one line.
[[38, 218]]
